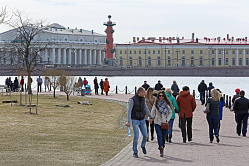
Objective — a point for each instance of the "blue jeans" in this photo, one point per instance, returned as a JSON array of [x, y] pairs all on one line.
[[242, 118], [202, 97], [213, 121], [161, 135], [169, 131], [136, 125]]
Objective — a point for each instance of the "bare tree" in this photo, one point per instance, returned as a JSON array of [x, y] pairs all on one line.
[[26, 42], [3, 14], [68, 83], [54, 76]]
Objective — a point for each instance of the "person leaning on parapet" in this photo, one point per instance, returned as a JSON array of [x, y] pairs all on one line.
[[145, 85], [106, 86], [137, 109], [16, 84], [186, 103], [39, 83], [101, 86], [241, 106], [158, 86], [202, 87], [233, 100], [175, 89], [210, 88]]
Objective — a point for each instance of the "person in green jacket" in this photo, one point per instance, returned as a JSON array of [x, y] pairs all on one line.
[[173, 102]]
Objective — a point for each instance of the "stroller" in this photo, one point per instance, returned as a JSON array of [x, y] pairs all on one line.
[[87, 90]]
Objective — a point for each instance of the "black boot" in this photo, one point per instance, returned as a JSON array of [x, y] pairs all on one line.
[[161, 151], [170, 136], [167, 138]]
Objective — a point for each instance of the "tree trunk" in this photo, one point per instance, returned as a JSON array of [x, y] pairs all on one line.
[[54, 92], [29, 83], [67, 97]]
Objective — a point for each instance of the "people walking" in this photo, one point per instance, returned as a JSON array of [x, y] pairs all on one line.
[[175, 107], [39, 83], [237, 91], [213, 115], [158, 86], [96, 86], [101, 86], [186, 103], [137, 109], [175, 89], [161, 113], [106, 86], [222, 104], [150, 100], [202, 87], [145, 85], [85, 82], [22, 83], [210, 87], [241, 106]]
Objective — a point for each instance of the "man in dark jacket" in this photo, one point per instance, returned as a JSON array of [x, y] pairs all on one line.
[[137, 109], [202, 89], [96, 86], [233, 100], [145, 85], [175, 89], [158, 86], [101, 86], [210, 88], [241, 106]]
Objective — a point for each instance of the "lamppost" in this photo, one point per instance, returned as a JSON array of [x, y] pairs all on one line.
[[165, 49], [177, 51]]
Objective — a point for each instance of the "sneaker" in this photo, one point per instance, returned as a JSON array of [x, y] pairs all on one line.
[[189, 140], [135, 155], [144, 150]]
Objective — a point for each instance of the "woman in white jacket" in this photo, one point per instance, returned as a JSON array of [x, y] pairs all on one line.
[[161, 113]]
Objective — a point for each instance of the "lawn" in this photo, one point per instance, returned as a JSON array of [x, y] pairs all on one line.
[[77, 135]]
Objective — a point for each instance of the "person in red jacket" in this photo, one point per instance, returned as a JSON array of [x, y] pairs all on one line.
[[21, 83], [106, 86], [187, 105]]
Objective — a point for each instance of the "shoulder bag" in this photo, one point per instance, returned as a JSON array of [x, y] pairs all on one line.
[[207, 109]]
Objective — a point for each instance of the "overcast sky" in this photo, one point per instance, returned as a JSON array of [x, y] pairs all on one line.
[[143, 18]]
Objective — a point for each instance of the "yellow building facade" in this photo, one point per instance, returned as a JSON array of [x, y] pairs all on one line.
[[175, 52]]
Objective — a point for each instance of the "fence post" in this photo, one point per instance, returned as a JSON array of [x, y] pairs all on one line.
[[224, 97], [194, 93], [116, 89], [25, 87], [135, 90], [229, 105], [125, 89], [226, 100], [207, 95]]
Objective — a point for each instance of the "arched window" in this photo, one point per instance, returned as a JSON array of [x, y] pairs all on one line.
[[183, 61], [201, 61], [149, 61], [192, 61], [140, 61], [159, 61], [121, 61], [169, 61], [130, 60]]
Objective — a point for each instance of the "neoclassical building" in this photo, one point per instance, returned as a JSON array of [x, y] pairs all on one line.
[[67, 47], [180, 52]]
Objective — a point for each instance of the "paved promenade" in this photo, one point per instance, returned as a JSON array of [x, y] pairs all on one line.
[[232, 149]]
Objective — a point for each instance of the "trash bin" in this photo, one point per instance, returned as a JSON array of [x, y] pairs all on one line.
[[83, 92]]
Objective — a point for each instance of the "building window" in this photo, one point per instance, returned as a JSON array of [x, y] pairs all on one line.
[[201, 52], [233, 61], [240, 52], [121, 61], [154, 51], [183, 51], [120, 52], [135, 52], [192, 61], [130, 61], [226, 51], [212, 51], [192, 52], [168, 51], [183, 61], [233, 52], [148, 51], [139, 52], [247, 52], [149, 61], [130, 52], [169, 61], [219, 61], [158, 51], [125, 52], [219, 51], [158, 61], [226, 61], [212, 61], [201, 61], [240, 61], [247, 61], [139, 61]]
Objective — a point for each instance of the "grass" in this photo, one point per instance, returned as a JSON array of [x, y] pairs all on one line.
[[78, 135]]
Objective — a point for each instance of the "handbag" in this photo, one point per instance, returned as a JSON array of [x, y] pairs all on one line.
[[164, 125], [207, 109]]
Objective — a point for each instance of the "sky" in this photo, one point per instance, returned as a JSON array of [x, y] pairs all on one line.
[[142, 18]]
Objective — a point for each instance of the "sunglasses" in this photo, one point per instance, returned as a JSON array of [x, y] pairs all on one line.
[[161, 95]]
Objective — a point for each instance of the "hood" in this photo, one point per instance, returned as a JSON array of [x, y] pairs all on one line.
[[184, 93], [168, 94], [202, 82], [210, 84]]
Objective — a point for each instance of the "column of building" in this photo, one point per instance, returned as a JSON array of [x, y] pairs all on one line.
[[237, 57], [216, 58], [244, 57], [230, 57]]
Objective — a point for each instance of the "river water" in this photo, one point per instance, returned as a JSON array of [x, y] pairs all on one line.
[[226, 84]]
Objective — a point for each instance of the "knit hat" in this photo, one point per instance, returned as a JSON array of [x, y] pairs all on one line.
[[237, 90]]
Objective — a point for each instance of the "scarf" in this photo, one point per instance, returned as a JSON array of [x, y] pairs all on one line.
[[162, 108]]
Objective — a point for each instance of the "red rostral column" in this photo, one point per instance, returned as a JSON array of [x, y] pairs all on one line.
[[109, 41]]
